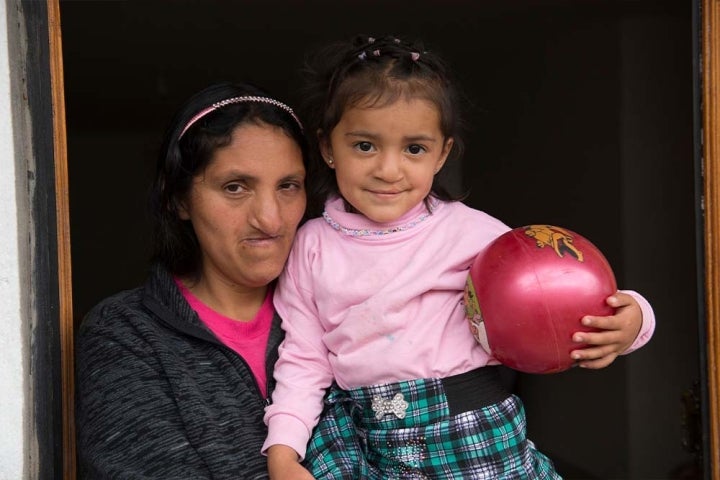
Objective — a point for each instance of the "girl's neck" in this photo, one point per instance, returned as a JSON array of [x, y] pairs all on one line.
[[429, 203], [358, 225]]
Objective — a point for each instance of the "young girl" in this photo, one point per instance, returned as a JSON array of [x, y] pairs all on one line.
[[371, 297]]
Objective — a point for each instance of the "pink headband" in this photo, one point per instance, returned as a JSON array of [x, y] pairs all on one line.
[[229, 101]]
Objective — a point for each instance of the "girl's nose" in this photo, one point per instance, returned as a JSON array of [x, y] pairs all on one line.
[[389, 167]]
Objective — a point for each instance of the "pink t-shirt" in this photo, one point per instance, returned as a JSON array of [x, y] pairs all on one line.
[[247, 339]]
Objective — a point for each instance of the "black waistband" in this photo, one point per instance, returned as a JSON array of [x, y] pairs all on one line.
[[474, 389]]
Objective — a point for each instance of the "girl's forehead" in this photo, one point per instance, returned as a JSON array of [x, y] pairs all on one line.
[[403, 117], [387, 94], [397, 104]]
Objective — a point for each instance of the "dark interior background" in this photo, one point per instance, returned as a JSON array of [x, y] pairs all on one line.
[[581, 115]]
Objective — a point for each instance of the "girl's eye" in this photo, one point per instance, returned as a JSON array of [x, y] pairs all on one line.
[[364, 146], [416, 149]]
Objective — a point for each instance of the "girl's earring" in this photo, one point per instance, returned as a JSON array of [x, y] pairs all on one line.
[[330, 161]]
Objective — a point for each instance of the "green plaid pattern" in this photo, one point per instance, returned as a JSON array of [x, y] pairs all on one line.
[[350, 443]]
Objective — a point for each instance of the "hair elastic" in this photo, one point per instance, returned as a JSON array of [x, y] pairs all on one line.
[[230, 101]]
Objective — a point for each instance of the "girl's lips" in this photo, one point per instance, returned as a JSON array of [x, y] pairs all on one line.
[[385, 193]]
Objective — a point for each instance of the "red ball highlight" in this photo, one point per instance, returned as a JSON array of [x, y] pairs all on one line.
[[527, 292]]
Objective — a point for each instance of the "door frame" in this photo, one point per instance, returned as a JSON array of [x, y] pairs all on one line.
[[710, 165], [710, 57], [64, 265]]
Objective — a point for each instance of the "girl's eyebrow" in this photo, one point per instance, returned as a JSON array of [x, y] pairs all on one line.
[[414, 138], [361, 133], [421, 138]]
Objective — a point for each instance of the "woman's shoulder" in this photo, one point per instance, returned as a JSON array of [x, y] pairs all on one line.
[[118, 305], [114, 328], [132, 303]]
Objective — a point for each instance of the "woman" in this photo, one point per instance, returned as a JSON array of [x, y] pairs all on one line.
[[173, 376]]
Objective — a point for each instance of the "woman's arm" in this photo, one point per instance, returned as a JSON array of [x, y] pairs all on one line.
[[128, 422]]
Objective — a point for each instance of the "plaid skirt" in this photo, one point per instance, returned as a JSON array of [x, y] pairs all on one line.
[[462, 427]]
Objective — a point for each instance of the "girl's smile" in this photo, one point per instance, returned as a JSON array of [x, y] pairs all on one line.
[[385, 157]]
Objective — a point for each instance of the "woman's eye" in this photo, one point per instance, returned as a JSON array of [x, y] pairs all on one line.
[[234, 188], [416, 149], [364, 146], [291, 186]]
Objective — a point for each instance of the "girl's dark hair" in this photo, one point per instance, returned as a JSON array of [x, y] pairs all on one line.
[[373, 72], [188, 147]]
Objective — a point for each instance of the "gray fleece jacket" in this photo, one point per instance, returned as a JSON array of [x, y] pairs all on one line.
[[158, 396]]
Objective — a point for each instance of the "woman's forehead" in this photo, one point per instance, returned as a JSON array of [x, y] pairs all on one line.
[[258, 151]]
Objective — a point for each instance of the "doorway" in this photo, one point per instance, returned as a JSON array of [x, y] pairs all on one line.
[[580, 115]]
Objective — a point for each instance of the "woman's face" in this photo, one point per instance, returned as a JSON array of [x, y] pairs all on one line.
[[246, 205]]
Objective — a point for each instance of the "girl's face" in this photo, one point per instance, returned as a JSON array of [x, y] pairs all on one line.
[[246, 205], [385, 158]]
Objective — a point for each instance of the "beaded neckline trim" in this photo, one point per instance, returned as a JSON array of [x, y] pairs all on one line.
[[365, 232]]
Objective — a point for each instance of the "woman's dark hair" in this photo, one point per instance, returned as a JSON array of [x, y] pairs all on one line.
[[370, 72], [203, 124]]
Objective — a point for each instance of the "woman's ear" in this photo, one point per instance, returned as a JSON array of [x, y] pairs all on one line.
[[181, 209]]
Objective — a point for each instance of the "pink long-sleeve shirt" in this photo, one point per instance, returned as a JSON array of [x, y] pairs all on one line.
[[365, 304]]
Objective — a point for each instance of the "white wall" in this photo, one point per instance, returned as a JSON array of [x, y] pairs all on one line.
[[14, 224]]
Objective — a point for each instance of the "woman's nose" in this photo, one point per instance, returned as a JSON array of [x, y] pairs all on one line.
[[266, 213]]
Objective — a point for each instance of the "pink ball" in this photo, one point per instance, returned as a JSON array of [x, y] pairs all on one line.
[[527, 291]]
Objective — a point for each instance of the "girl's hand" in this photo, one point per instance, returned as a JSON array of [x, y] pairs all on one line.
[[617, 333], [283, 464]]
